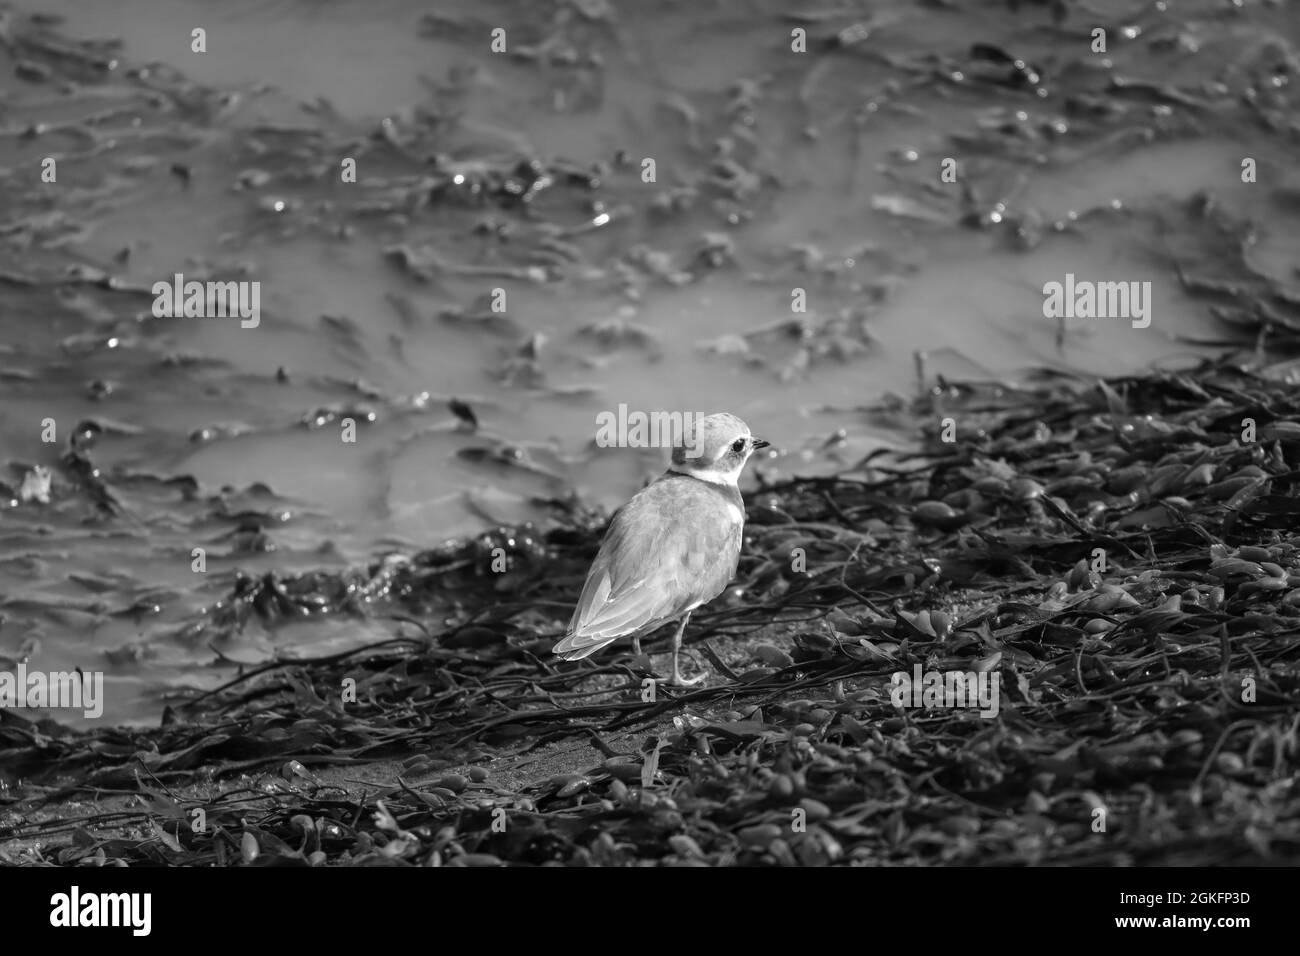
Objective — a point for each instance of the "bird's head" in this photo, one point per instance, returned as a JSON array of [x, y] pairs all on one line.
[[715, 448]]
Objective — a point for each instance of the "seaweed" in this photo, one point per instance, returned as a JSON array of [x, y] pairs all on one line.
[[1156, 688]]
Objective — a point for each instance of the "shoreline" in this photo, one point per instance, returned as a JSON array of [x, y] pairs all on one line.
[[1123, 684]]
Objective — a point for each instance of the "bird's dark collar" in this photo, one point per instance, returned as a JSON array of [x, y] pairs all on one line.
[[728, 493]]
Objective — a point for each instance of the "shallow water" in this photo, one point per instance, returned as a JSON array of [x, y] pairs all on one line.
[[831, 185]]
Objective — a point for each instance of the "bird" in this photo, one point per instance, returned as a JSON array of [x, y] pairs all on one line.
[[674, 546]]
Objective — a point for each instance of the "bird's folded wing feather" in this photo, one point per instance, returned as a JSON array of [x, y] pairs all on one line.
[[661, 557]]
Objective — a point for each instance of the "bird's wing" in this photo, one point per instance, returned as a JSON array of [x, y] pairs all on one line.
[[664, 554]]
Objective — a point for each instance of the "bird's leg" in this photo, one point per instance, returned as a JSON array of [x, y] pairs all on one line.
[[636, 645], [677, 679]]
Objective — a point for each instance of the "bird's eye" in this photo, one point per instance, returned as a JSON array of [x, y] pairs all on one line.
[[738, 445]]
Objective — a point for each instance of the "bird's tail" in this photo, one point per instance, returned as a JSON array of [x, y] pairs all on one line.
[[575, 648]]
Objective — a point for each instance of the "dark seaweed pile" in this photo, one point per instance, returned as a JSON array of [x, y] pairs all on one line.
[[1119, 554]]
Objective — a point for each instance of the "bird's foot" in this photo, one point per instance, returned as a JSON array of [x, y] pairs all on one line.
[[677, 680]]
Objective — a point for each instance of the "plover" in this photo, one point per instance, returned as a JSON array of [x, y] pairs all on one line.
[[673, 547]]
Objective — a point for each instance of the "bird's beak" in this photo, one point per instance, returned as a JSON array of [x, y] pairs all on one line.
[[759, 443]]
